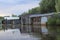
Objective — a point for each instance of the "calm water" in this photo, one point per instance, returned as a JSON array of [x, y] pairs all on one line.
[[14, 34]]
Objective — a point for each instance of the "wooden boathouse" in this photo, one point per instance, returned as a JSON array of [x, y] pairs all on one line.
[[33, 22]]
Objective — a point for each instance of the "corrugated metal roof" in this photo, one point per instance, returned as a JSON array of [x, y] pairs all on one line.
[[11, 18]]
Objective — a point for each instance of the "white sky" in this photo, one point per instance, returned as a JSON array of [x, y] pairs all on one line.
[[9, 7]]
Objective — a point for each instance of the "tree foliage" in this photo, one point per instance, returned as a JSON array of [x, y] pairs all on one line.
[[47, 6], [34, 10], [55, 20], [57, 5], [1, 18]]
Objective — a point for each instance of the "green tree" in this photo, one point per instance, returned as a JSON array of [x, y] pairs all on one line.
[[54, 20], [1, 18], [57, 5], [47, 6], [34, 10], [55, 28]]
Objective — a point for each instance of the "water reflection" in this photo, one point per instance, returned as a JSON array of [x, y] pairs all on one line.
[[53, 33], [44, 30], [14, 34], [49, 33]]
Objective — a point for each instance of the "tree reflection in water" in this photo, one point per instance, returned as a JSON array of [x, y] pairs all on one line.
[[53, 33]]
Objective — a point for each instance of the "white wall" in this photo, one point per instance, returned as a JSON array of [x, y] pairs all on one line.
[[43, 19]]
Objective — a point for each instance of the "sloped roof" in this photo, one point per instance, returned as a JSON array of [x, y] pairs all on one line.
[[11, 18], [36, 15]]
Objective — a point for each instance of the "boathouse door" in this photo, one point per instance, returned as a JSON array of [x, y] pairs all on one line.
[[36, 21], [43, 21]]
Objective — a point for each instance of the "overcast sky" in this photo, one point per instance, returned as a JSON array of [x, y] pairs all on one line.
[[9, 7]]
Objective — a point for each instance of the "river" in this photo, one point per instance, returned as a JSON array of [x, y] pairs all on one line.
[[14, 34]]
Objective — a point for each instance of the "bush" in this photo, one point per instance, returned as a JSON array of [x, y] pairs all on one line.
[[54, 20]]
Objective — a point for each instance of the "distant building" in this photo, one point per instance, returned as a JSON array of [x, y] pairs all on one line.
[[11, 22]]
